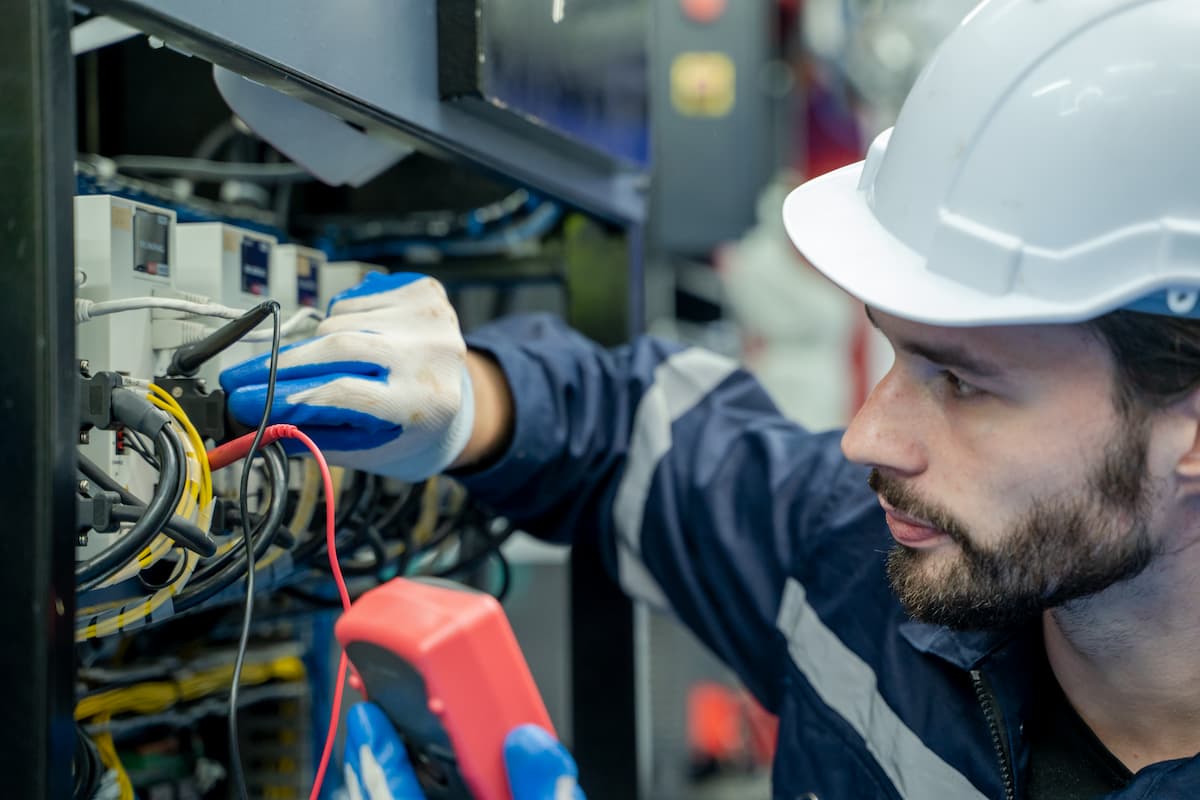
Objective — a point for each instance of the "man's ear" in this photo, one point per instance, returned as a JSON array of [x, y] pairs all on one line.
[[1187, 468]]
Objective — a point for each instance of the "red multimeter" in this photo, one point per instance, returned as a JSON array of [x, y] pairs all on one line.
[[443, 664]]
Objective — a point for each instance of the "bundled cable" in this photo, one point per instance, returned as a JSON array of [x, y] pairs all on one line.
[[229, 565], [184, 533], [162, 399], [196, 503], [240, 448], [150, 697], [110, 759], [86, 766], [138, 413], [123, 615]]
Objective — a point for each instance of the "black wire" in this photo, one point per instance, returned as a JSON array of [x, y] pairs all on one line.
[[178, 528], [400, 506], [505, 575], [181, 530], [490, 548], [235, 755], [156, 515], [357, 529], [212, 582], [133, 441], [105, 481], [469, 563], [492, 551], [442, 532], [315, 543], [348, 504], [88, 768], [154, 586], [317, 600], [369, 537], [233, 556], [188, 359]]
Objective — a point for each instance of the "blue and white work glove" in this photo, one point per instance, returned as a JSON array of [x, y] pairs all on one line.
[[376, 765], [383, 387]]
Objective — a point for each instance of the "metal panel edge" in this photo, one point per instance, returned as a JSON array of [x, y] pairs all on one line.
[[37, 148], [614, 194]]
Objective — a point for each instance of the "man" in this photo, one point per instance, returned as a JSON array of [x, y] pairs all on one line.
[[991, 589]]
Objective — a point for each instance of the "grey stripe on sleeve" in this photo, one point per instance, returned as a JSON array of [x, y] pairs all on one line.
[[680, 382]]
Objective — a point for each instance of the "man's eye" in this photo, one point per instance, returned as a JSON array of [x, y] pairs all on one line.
[[958, 387]]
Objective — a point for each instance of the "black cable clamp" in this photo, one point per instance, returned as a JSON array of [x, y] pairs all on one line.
[[94, 511], [205, 409], [95, 399], [105, 403]]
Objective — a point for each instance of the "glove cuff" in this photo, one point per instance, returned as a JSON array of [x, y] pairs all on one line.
[[447, 449]]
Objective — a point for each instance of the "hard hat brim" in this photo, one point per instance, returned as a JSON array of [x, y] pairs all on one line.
[[834, 228]]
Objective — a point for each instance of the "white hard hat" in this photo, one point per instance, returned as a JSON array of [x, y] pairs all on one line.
[[1044, 168]]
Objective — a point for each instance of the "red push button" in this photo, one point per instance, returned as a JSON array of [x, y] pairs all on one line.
[[703, 11]]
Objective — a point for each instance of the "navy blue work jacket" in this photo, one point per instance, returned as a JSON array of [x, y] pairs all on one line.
[[766, 542]]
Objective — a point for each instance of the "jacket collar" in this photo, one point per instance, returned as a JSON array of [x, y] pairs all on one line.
[[964, 649]]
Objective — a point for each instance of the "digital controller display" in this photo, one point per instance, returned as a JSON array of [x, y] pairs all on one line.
[[256, 266], [307, 285], [151, 237]]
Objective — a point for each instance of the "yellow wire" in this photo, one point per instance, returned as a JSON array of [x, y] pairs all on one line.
[[153, 697], [198, 503], [306, 505], [171, 405], [108, 756], [115, 623], [177, 411], [427, 519], [189, 504]]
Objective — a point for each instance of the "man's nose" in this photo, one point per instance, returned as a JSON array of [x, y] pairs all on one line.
[[886, 431]]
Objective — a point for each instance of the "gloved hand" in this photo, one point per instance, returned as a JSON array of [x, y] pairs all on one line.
[[383, 387], [376, 765]]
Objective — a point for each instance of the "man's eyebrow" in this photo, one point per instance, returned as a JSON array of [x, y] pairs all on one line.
[[942, 355]]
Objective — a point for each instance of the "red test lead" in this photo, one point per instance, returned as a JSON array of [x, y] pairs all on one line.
[[236, 449]]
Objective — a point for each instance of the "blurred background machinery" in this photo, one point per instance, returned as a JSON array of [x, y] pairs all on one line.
[[620, 162]]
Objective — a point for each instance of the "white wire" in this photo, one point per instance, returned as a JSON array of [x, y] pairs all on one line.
[[86, 310], [295, 323]]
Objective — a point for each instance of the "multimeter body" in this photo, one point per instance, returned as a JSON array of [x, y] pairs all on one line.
[[443, 664]]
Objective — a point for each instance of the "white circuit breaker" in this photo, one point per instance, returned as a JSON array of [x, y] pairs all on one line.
[[123, 249], [296, 277], [338, 276], [231, 266]]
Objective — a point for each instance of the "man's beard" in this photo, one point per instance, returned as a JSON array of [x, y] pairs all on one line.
[[1061, 549]]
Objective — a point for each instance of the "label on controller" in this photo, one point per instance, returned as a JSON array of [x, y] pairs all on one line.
[[256, 257], [307, 281]]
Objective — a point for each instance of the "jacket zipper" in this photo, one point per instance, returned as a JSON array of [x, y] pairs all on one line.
[[987, 701]]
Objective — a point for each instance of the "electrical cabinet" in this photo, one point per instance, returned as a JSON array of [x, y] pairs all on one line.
[[130, 248]]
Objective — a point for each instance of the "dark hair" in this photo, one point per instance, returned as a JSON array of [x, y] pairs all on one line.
[[1157, 357]]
